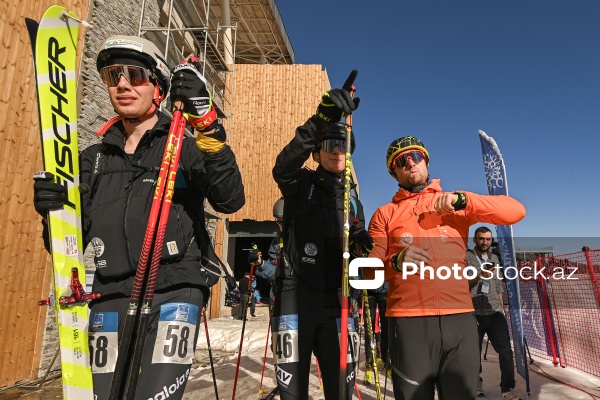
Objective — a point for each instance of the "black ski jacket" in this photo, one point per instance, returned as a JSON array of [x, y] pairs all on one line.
[[313, 216], [116, 209]]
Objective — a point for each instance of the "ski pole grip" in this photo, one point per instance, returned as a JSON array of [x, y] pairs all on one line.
[[177, 105]]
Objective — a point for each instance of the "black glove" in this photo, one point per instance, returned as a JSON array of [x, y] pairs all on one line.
[[253, 257], [337, 103], [47, 194], [190, 87], [360, 237]]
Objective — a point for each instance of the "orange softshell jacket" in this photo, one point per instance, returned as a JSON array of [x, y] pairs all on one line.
[[411, 220]]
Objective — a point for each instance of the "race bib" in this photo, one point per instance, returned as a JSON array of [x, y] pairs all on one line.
[[285, 339], [175, 337], [104, 341], [353, 340]]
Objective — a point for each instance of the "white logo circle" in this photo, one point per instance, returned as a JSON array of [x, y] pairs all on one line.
[[98, 246], [406, 238], [310, 249]]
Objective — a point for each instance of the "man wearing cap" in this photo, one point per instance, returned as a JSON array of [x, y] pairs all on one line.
[[420, 236], [121, 173], [309, 275], [266, 268]]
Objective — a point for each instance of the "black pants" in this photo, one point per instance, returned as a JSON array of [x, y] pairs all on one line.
[[496, 327], [378, 299], [244, 304], [434, 351], [168, 349], [305, 321]]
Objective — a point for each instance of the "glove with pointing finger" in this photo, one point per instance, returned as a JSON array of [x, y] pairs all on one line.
[[336, 103]]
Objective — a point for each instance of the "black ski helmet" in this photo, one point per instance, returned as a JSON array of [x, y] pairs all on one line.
[[278, 208], [117, 48], [336, 131], [400, 145]]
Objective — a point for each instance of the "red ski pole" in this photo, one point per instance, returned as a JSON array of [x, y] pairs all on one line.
[[319, 374], [262, 374], [144, 318], [172, 146], [212, 365], [244, 312]]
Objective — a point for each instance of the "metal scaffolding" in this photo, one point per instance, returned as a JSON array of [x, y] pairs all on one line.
[[221, 34], [188, 27]]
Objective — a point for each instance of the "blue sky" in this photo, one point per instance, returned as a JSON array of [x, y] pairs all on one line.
[[525, 72]]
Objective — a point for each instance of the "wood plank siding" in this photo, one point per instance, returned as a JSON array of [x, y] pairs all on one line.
[[270, 101]]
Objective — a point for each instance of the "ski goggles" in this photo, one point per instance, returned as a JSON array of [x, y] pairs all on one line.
[[329, 145], [136, 76], [416, 155]]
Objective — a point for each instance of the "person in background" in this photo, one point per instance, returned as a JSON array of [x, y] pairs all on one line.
[[486, 292], [266, 269]]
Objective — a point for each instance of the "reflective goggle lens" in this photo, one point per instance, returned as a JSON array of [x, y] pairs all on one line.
[[136, 76], [416, 155], [329, 145]]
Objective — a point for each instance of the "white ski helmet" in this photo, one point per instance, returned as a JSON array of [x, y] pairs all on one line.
[[119, 47]]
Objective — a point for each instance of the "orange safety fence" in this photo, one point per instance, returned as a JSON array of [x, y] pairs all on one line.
[[560, 305]]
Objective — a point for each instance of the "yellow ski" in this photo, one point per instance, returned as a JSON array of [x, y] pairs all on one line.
[[55, 55]]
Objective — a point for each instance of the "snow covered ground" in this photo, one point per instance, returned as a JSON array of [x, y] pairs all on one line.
[[224, 336]]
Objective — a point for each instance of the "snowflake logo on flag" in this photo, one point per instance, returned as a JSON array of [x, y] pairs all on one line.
[[493, 171]]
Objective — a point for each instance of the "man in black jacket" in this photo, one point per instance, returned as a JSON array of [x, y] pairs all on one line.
[[121, 173], [309, 275]]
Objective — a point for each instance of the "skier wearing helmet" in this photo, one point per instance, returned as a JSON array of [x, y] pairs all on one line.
[[307, 307], [424, 231], [266, 268], [121, 173]]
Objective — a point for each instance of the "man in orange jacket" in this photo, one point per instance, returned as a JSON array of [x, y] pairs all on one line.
[[421, 236]]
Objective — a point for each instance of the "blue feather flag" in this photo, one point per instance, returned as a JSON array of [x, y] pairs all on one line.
[[495, 174]]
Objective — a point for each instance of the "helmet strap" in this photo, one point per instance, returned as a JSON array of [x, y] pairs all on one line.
[[152, 110]]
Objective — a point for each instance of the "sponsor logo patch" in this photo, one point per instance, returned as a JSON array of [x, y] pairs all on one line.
[[310, 249], [183, 312], [406, 238], [282, 376]]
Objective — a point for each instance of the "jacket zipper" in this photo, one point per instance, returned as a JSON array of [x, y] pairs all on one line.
[[432, 261]]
